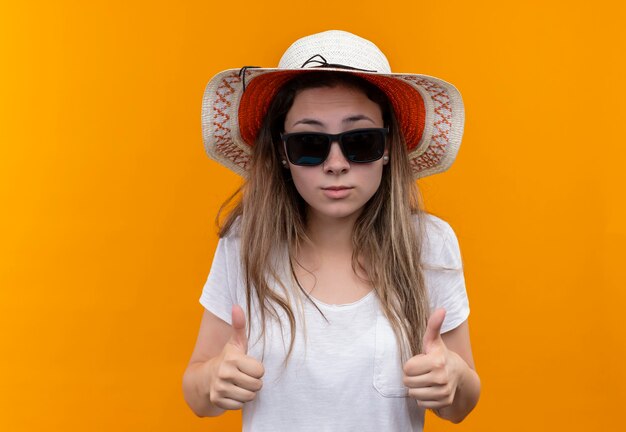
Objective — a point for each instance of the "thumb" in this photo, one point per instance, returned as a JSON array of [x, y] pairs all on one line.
[[239, 337], [432, 335]]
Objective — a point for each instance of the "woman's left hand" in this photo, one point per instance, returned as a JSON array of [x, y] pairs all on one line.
[[434, 376]]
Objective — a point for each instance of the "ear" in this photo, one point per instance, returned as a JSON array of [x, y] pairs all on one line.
[[386, 157], [282, 157]]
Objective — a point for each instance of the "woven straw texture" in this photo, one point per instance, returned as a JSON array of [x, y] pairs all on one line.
[[430, 111]]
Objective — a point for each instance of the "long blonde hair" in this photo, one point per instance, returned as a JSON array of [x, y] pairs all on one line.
[[270, 217]]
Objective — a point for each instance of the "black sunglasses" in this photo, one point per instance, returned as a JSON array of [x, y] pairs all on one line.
[[358, 145]]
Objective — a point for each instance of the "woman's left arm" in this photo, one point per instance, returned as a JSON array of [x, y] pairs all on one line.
[[443, 378]]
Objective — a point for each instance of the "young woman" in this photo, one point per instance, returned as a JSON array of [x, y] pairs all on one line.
[[334, 302]]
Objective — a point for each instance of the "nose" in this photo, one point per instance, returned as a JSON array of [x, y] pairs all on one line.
[[336, 162]]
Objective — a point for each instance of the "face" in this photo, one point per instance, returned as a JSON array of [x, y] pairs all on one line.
[[337, 188]]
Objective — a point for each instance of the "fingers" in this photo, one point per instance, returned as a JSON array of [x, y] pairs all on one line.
[[431, 390], [432, 335], [245, 372], [251, 367], [236, 377], [239, 337], [236, 367], [232, 385], [239, 394], [424, 363], [227, 404], [427, 375], [229, 396], [432, 397], [247, 382], [426, 380]]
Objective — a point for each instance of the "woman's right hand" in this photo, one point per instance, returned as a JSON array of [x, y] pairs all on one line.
[[234, 377]]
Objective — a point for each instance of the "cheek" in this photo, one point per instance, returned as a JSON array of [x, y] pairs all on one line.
[[370, 179], [302, 180]]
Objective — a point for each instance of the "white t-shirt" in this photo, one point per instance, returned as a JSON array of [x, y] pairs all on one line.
[[346, 373]]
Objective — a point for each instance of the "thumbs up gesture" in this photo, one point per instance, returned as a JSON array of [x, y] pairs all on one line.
[[234, 377], [433, 376]]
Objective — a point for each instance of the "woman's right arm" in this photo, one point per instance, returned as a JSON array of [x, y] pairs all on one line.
[[220, 375]]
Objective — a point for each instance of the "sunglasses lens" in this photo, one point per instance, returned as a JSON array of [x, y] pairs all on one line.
[[364, 146], [312, 148], [307, 148]]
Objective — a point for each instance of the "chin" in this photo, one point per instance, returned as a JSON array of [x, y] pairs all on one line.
[[339, 212]]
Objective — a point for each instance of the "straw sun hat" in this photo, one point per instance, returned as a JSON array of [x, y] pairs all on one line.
[[429, 110]]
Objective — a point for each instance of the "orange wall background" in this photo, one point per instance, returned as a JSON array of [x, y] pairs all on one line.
[[108, 199]]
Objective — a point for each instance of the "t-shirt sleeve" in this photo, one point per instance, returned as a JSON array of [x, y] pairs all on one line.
[[443, 271], [220, 290]]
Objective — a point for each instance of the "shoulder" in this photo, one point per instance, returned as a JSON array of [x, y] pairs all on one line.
[[439, 242], [228, 246], [434, 226], [233, 233], [443, 270]]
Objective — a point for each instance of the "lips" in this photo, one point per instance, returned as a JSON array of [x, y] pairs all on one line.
[[337, 192], [337, 187]]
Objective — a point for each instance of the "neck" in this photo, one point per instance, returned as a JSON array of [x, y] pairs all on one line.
[[331, 237]]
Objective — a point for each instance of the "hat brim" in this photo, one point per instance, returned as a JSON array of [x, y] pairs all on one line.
[[429, 111]]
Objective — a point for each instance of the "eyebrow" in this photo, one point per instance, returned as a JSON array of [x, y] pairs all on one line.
[[351, 119]]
